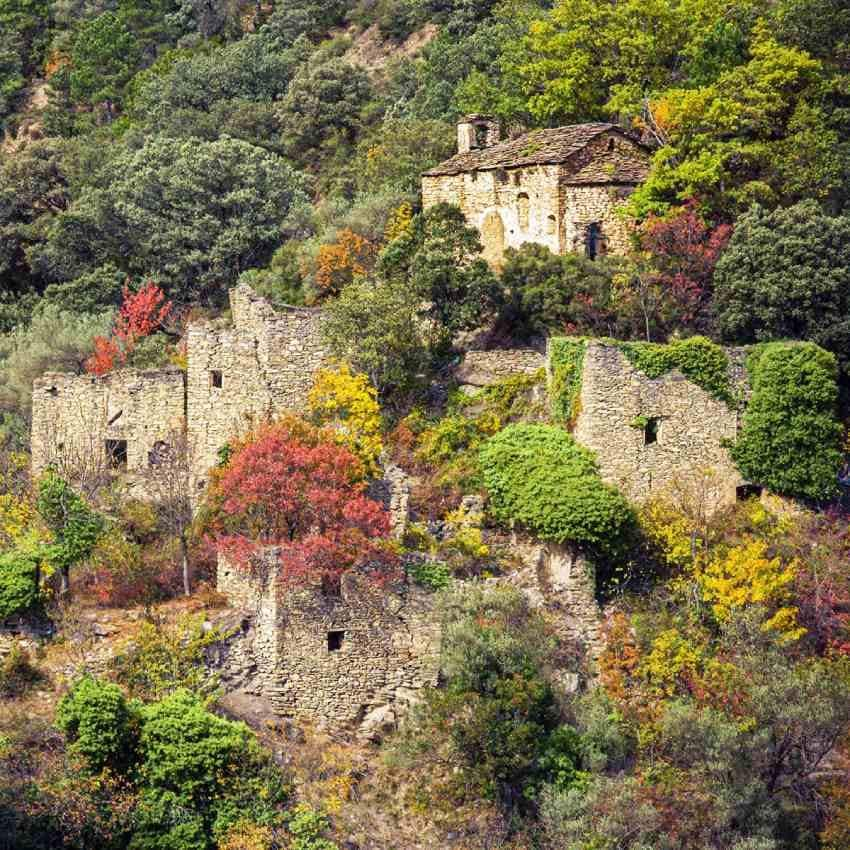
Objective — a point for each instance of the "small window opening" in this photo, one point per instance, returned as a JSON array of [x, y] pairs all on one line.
[[501, 175], [594, 241], [610, 144], [517, 178], [747, 491], [335, 641], [650, 430], [216, 379], [550, 224], [116, 453], [115, 418], [481, 135], [54, 391], [523, 207]]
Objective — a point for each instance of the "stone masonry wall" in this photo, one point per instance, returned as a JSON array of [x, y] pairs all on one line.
[[583, 205], [260, 366], [74, 415], [387, 650], [485, 368], [687, 460]]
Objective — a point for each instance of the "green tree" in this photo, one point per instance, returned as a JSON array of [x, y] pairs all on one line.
[[189, 214], [376, 328], [100, 724], [786, 275], [439, 259], [74, 525], [791, 437], [24, 29], [104, 58]]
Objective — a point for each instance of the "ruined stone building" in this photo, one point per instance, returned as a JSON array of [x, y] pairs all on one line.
[[340, 657], [560, 188], [239, 373]]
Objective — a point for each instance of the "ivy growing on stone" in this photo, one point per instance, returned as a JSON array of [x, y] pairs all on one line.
[[699, 359], [791, 437], [566, 359]]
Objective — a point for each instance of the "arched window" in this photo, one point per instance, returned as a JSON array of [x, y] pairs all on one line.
[[522, 209], [550, 224], [594, 241]]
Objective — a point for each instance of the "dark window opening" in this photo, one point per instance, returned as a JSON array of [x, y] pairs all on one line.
[[747, 491], [517, 178], [335, 641], [159, 453], [481, 135], [54, 391], [116, 453], [610, 144], [216, 378], [115, 418], [650, 431], [501, 175], [594, 241]]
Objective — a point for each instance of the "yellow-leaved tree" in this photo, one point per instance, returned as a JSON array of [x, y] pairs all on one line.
[[744, 576], [345, 404]]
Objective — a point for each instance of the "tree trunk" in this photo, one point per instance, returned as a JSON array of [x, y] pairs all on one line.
[[184, 553]]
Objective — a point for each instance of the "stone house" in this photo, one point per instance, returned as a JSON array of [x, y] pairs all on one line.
[[344, 657], [561, 188]]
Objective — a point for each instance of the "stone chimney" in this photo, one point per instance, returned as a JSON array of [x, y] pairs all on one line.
[[477, 131]]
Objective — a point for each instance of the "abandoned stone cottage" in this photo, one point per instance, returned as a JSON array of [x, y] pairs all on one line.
[[561, 188]]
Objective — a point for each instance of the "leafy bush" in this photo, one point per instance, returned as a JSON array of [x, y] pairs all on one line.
[[539, 477], [19, 592], [790, 440], [566, 359], [100, 723]]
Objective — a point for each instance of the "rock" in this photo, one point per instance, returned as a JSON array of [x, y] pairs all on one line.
[[100, 630], [378, 723]]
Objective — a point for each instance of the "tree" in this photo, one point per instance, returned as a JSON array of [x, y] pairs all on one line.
[[439, 259], [74, 525], [284, 486], [104, 58], [786, 275], [100, 724], [376, 328], [189, 214], [791, 437], [540, 478], [338, 263]]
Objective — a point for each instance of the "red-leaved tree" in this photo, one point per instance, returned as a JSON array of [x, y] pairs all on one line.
[[141, 314], [286, 487], [683, 251]]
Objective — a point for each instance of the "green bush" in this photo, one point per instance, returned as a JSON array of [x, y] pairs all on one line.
[[18, 582], [101, 725], [540, 478], [790, 441], [566, 357], [435, 575]]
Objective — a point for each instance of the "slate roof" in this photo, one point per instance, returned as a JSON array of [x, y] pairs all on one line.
[[548, 147]]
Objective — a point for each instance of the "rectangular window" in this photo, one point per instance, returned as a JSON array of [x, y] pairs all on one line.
[[216, 379], [335, 641], [650, 430], [116, 453]]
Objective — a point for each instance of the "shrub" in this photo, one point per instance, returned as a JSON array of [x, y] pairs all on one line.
[[566, 356], [539, 477], [19, 591], [790, 441], [100, 723]]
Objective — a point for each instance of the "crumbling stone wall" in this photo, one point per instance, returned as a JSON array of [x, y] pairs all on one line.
[[75, 415], [254, 369], [336, 659], [686, 460], [485, 368]]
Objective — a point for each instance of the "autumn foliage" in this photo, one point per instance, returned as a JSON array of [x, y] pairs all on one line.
[[285, 486], [141, 314], [338, 263]]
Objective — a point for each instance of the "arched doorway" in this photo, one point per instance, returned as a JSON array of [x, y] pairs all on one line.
[[493, 239]]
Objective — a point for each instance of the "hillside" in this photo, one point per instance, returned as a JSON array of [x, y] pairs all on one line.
[[424, 424]]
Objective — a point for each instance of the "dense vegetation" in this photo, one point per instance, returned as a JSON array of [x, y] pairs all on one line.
[[155, 154]]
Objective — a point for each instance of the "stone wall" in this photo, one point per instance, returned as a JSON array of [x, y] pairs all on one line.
[[686, 460], [485, 368], [254, 369], [74, 417], [336, 659]]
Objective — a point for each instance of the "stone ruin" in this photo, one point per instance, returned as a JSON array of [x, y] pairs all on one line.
[[355, 657]]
